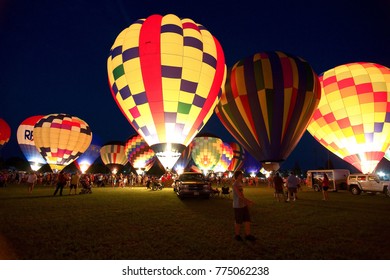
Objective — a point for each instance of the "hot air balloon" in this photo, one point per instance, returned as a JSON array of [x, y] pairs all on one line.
[[5, 133], [61, 139], [113, 155], [267, 103], [84, 161], [139, 154], [353, 117], [206, 151], [238, 157], [25, 138], [225, 160], [183, 160], [166, 73]]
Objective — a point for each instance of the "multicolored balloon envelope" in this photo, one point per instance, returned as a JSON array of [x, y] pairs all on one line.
[[113, 155], [61, 139], [166, 73], [353, 117], [206, 152], [267, 103], [225, 160], [238, 157], [5, 133], [139, 154], [25, 138], [84, 161]]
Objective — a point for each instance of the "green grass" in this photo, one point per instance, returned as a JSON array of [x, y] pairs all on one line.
[[135, 223]]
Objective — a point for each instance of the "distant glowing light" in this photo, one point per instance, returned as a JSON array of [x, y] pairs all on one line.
[[84, 165]]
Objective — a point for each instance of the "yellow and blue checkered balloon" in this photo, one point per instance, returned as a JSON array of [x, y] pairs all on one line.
[[166, 74]]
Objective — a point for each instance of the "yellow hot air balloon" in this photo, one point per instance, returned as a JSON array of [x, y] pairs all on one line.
[[166, 74], [353, 117], [61, 139]]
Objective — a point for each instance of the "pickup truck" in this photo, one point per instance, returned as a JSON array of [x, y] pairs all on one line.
[[368, 183]]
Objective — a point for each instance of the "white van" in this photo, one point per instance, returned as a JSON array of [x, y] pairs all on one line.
[[337, 179]]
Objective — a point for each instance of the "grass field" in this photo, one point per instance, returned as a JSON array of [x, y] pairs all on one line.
[[136, 223]]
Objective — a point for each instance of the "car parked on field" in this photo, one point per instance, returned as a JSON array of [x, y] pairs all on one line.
[[368, 183], [192, 184]]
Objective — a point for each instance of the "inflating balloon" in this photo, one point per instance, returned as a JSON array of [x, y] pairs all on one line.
[[353, 118], [166, 73], [25, 138], [139, 154], [90, 155], [267, 103], [238, 157], [206, 152], [61, 139], [113, 155], [225, 160]]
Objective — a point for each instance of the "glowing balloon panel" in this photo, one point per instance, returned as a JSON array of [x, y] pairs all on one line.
[[206, 152], [166, 75], [25, 138], [61, 139], [5, 133], [353, 117], [267, 103], [139, 154]]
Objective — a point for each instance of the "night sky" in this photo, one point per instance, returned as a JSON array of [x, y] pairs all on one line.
[[53, 53]]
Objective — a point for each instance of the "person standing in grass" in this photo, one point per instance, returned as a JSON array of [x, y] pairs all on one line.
[[292, 186], [61, 182], [325, 187], [278, 186], [74, 182], [31, 180], [241, 209]]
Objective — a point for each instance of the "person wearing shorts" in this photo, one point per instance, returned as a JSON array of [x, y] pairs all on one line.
[[241, 209]]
